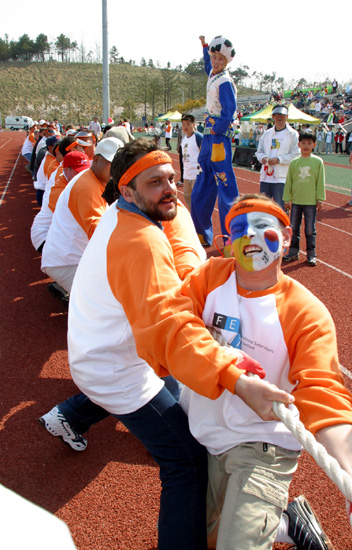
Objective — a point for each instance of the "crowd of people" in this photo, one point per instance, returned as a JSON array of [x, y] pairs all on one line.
[[130, 259]]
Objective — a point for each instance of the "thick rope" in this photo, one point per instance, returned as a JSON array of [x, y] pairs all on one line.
[[329, 464]]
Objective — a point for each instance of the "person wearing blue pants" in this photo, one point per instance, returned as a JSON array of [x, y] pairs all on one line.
[[217, 177]]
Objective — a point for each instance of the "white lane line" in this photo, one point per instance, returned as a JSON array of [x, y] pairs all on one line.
[[336, 228], [334, 268], [8, 182], [6, 142], [346, 372]]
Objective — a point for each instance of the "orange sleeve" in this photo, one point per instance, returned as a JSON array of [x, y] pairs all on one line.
[[57, 188], [86, 203], [182, 236], [168, 334], [52, 167], [310, 335]]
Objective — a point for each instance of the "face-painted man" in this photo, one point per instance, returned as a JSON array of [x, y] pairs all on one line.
[[259, 231]]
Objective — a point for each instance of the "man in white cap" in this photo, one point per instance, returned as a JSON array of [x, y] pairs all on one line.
[[77, 213], [277, 147]]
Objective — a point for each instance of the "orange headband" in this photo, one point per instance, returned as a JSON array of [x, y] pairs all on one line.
[[151, 159], [256, 205]]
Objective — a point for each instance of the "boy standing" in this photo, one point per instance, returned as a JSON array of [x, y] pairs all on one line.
[[190, 147], [262, 311], [168, 134], [303, 194], [215, 159]]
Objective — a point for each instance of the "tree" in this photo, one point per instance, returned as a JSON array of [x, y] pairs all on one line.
[[151, 64], [23, 50], [240, 73], [41, 47], [5, 52], [114, 55], [62, 46], [196, 79], [170, 80], [143, 62]]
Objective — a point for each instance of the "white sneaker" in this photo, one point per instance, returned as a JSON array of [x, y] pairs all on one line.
[[57, 425]]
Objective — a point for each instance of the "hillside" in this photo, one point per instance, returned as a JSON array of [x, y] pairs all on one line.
[[72, 92]]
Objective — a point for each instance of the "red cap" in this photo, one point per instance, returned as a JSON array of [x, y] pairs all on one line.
[[76, 160]]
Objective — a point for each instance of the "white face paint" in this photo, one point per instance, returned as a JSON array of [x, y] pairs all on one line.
[[256, 240]]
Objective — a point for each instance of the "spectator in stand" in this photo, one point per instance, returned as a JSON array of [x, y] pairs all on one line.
[[329, 138], [277, 147], [318, 107], [334, 86], [320, 137], [258, 134], [200, 128], [349, 143], [77, 213], [339, 137], [190, 147], [168, 134], [180, 136], [350, 161], [341, 118], [95, 127]]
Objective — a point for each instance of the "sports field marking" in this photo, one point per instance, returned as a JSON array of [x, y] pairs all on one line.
[[8, 181], [6, 142], [346, 372], [336, 228]]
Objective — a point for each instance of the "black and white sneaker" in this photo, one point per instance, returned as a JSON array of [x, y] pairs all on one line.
[[304, 527], [57, 425], [58, 292]]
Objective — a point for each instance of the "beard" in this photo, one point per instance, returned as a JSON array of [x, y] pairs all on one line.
[[152, 209]]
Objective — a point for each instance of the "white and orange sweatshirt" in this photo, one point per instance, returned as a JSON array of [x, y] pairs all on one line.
[[77, 213], [126, 313], [291, 333]]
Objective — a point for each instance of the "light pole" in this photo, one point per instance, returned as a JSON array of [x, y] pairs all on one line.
[[106, 89]]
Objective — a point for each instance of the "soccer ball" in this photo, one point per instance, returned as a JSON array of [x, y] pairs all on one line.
[[222, 45]]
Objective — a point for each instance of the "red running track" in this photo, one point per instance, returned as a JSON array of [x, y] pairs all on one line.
[[109, 494]]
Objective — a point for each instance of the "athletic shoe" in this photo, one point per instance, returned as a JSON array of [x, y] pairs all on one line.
[[58, 292], [312, 262], [179, 183], [304, 527], [291, 257], [350, 203], [57, 425]]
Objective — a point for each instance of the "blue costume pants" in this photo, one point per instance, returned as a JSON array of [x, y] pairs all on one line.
[[217, 179]]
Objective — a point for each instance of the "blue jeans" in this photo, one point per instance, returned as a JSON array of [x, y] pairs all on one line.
[[28, 156], [273, 191], [309, 212], [328, 149], [162, 427], [82, 413]]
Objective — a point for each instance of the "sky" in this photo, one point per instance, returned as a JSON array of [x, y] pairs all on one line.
[[295, 40]]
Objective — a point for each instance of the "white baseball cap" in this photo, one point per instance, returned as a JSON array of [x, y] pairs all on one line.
[[107, 148]]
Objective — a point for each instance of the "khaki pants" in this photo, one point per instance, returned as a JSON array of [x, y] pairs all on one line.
[[247, 493], [187, 190]]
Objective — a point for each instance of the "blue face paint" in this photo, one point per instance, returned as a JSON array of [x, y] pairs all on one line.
[[256, 240]]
